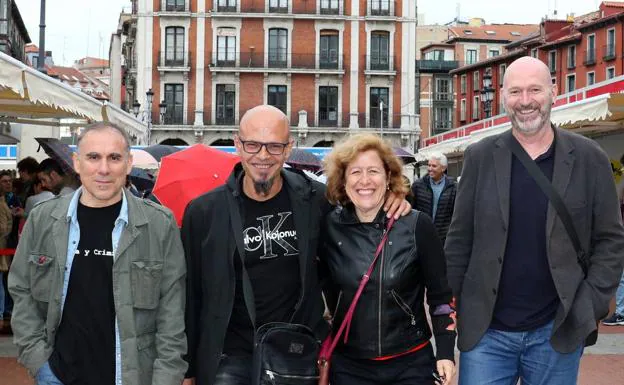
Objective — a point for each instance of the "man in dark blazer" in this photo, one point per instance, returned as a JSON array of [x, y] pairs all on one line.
[[525, 309]]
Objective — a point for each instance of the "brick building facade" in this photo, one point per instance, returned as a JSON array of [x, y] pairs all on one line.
[[333, 66]]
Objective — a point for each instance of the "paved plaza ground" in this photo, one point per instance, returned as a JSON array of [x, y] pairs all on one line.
[[602, 364]]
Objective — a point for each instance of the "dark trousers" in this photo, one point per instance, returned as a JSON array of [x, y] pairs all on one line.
[[411, 369], [234, 370]]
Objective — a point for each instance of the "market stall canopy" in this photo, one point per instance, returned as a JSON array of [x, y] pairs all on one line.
[[30, 97], [598, 115]]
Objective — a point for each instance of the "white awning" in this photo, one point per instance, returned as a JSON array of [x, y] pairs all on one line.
[[30, 97], [598, 115]]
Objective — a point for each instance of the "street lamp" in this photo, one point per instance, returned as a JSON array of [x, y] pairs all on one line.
[[136, 108], [487, 94]]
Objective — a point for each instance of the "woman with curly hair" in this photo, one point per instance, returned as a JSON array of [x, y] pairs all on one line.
[[388, 341]]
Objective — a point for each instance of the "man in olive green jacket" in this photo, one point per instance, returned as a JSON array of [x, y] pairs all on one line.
[[143, 290]]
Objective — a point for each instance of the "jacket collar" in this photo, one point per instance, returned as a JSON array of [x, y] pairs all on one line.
[[348, 216], [131, 212]]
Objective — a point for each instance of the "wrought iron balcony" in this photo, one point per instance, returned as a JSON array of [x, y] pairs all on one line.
[[381, 8], [279, 59], [608, 52], [437, 65], [590, 57], [379, 63], [174, 59]]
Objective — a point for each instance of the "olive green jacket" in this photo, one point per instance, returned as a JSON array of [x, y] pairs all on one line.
[[148, 288]]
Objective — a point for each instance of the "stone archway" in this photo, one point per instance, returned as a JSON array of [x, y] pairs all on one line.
[[174, 142], [324, 143], [223, 142]]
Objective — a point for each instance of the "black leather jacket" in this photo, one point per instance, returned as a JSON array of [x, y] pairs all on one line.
[[390, 317]]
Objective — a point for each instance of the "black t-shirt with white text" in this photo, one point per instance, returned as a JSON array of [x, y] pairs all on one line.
[[84, 349], [272, 262]]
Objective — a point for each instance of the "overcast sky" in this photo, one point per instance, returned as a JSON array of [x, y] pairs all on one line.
[[79, 28]]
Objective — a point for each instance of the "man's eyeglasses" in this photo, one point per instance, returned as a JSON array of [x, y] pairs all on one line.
[[273, 148]]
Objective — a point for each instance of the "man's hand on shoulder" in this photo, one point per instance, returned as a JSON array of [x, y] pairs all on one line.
[[396, 206]]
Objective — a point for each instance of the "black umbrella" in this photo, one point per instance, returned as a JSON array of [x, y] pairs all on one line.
[[160, 150], [142, 179], [58, 151], [301, 157], [404, 155]]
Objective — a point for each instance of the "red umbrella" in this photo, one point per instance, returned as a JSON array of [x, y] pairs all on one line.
[[189, 173]]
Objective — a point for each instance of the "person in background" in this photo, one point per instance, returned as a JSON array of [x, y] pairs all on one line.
[[40, 195], [54, 178], [6, 221], [27, 169], [434, 194]]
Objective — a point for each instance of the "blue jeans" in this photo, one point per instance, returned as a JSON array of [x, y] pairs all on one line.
[[619, 297], [501, 358], [46, 377]]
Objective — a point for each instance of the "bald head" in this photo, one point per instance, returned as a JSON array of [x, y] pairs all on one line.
[[527, 66], [262, 118], [528, 94]]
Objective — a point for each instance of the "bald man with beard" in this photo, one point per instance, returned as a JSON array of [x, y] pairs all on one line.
[[526, 309]]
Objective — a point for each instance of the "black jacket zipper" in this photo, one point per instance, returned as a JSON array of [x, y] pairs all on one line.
[[404, 306]]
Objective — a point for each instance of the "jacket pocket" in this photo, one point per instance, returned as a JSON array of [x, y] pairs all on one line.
[[145, 279], [41, 276]]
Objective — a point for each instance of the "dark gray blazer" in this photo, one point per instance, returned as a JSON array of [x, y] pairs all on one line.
[[475, 244]]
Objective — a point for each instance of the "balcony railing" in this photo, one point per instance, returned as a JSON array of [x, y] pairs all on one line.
[[226, 8], [279, 59], [172, 60], [571, 62], [608, 52], [328, 118], [175, 8], [443, 96], [590, 57], [381, 8], [379, 63], [278, 9], [225, 120], [328, 10], [437, 65], [389, 123]]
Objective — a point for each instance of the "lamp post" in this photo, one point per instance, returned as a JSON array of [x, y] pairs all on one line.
[[487, 94], [136, 108]]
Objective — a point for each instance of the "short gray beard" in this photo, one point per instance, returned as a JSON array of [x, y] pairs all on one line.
[[263, 188], [530, 128]]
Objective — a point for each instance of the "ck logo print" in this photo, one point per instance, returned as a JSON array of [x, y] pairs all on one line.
[[267, 237]]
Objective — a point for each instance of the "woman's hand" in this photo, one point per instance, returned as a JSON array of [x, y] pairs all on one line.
[[446, 369]]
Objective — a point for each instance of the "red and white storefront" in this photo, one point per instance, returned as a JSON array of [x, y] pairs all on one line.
[[596, 111]]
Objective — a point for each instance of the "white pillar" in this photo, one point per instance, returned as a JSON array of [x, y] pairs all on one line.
[[199, 69], [354, 70]]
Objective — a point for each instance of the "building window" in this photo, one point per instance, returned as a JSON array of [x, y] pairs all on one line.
[[378, 95], [443, 90], [475, 81], [571, 57], [380, 51], [278, 47], [4, 17], [437, 54], [610, 73], [501, 73], [280, 6], [591, 78], [226, 6], [174, 99], [226, 98], [34, 60], [462, 84], [471, 56], [277, 97], [328, 106], [174, 46], [329, 49], [475, 108], [534, 53], [329, 7], [442, 119], [493, 52], [552, 61], [380, 7], [462, 110], [570, 83], [590, 56], [175, 5], [610, 47], [226, 50]]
